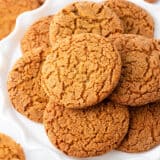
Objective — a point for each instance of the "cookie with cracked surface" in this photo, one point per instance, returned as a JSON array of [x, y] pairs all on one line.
[[84, 17], [135, 19], [144, 129], [140, 79], [37, 35], [24, 86], [9, 149], [10, 9], [81, 71], [86, 132]]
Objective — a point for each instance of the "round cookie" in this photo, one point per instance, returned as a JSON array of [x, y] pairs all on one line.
[[37, 35], [135, 19], [84, 17], [82, 70], [86, 132], [144, 129], [24, 86], [9, 149], [10, 9], [140, 79]]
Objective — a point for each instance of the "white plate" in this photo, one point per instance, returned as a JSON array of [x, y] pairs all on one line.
[[32, 135]]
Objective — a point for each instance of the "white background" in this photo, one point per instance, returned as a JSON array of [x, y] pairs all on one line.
[[31, 135]]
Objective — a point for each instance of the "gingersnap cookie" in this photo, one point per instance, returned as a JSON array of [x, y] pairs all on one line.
[[135, 19], [10, 9], [140, 78], [144, 129], [9, 149], [84, 17], [82, 70], [37, 35], [24, 86], [86, 132]]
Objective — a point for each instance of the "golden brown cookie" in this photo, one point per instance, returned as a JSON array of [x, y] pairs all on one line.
[[9, 149], [37, 35], [140, 79], [86, 132], [82, 70], [10, 9], [24, 86], [84, 17], [144, 129], [135, 19]]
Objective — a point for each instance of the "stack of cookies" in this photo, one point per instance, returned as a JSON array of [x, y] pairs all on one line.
[[91, 75]]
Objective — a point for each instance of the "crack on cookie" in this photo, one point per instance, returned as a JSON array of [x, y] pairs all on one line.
[[84, 17], [135, 19], [37, 35], [24, 86], [78, 72], [9, 149], [144, 125], [86, 132], [139, 81]]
